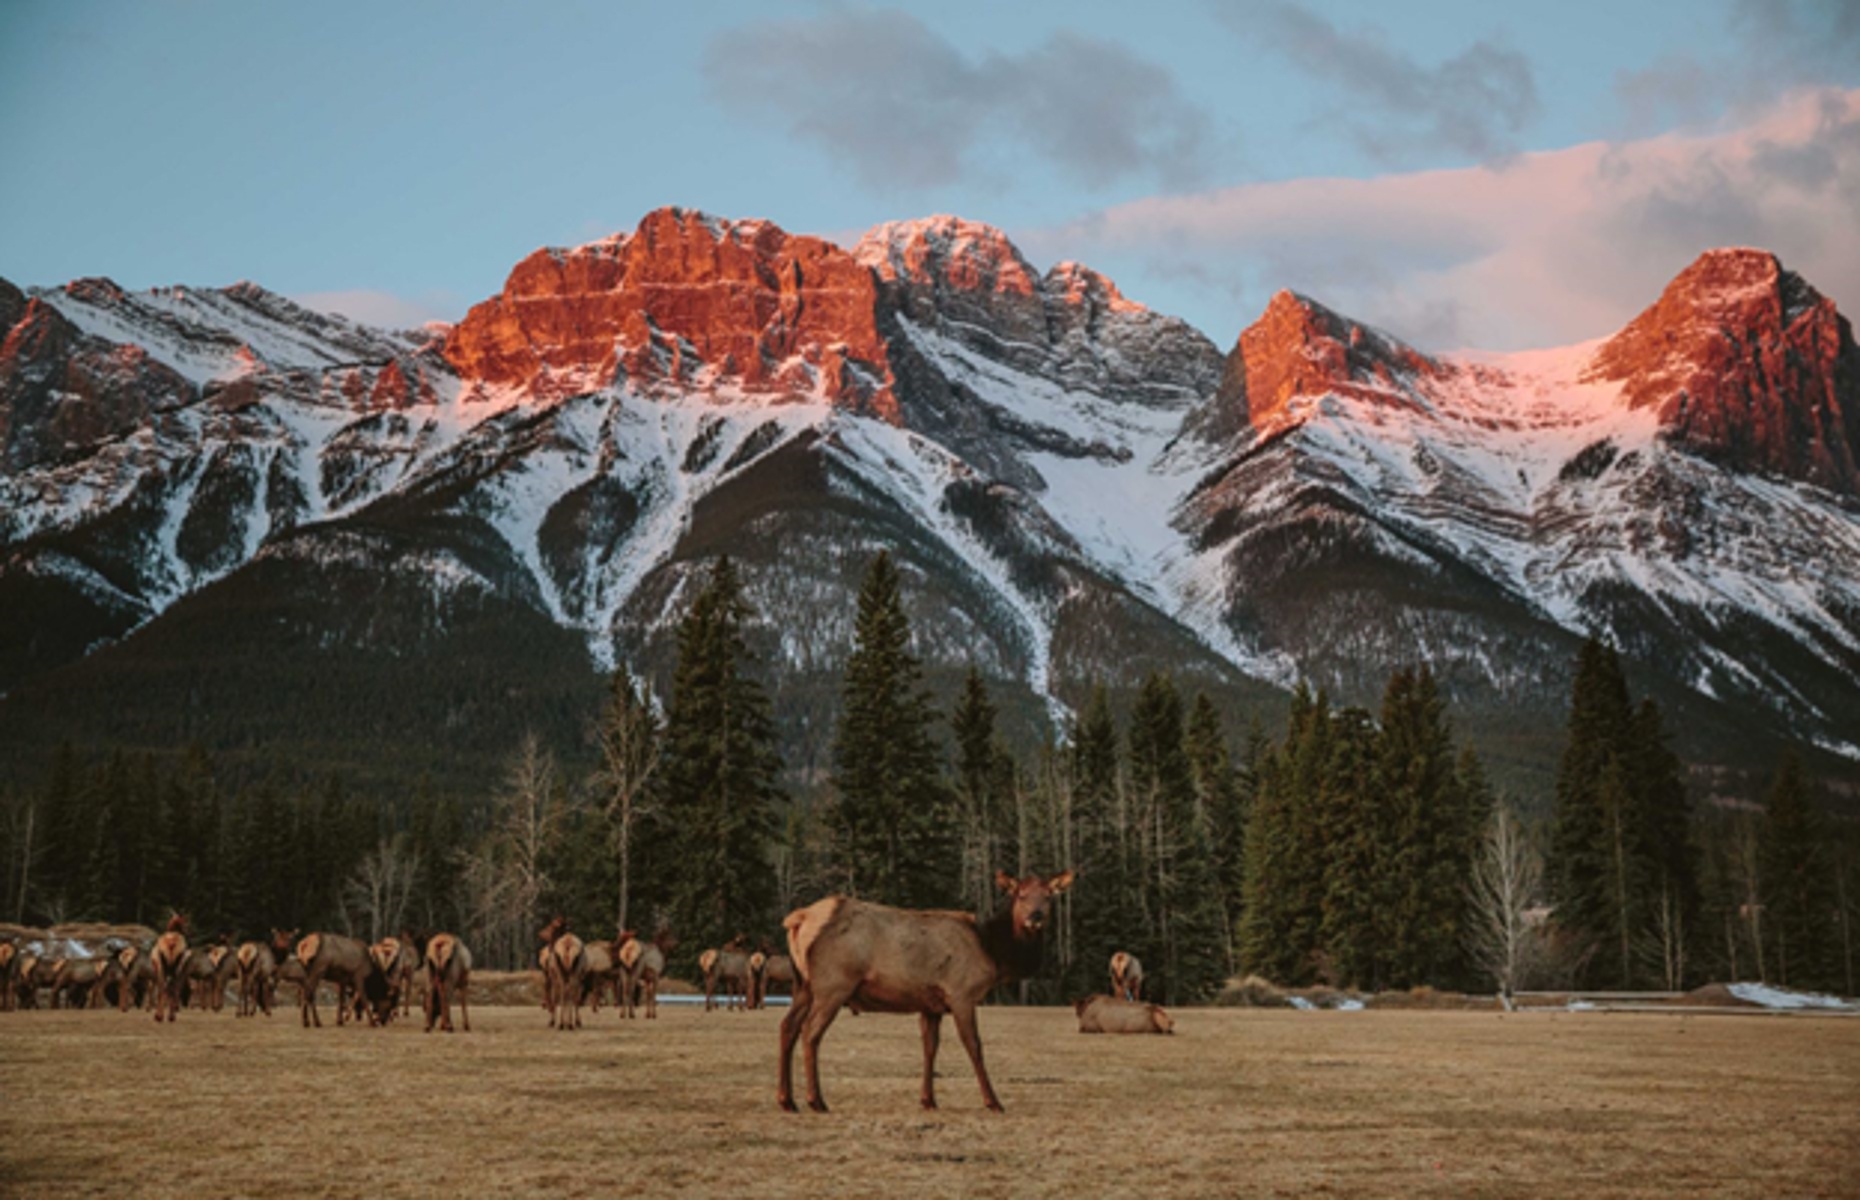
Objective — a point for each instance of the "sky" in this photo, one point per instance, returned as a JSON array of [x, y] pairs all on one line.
[[1462, 174]]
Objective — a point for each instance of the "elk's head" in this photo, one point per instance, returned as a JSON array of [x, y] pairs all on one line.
[[1032, 899], [177, 924], [283, 942]]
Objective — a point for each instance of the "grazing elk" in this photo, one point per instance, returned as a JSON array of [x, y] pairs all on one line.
[[1126, 976], [883, 959], [1114, 1014], [395, 960], [34, 973], [258, 978], [169, 962], [564, 969], [341, 960], [209, 969], [448, 974], [728, 969], [9, 966], [646, 968]]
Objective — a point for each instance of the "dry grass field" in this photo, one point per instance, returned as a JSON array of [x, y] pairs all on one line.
[[1275, 1102]]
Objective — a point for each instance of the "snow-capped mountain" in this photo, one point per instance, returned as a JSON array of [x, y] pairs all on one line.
[[1077, 487]]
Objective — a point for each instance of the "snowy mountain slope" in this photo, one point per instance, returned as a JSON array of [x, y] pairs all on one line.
[[1077, 488]]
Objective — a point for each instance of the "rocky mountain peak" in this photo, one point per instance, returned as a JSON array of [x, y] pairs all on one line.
[[947, 252], [1748, 365], [688, 300]]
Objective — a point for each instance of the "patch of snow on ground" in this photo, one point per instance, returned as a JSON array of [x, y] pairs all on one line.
[[1775, 997]]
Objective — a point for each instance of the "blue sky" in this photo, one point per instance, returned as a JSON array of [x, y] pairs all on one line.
[[398, 158]]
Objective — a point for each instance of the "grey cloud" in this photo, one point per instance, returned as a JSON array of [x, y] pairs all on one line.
[[903, 108], [1474, 103]]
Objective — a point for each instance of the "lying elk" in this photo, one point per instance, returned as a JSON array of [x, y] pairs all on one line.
[[1114, 1014], [9, 967], [343, 961], [883, 959], [1126, 976], [728, 969], [169, 962], [395, 961], [448, 974], [565, 967], [258, 978], [642, 965]]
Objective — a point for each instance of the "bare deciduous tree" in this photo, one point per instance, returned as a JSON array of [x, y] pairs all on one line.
[[503, 878], [378, 893], [1506, 875], [630, 740]]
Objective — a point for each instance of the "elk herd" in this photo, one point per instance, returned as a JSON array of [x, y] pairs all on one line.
[[842, 953]]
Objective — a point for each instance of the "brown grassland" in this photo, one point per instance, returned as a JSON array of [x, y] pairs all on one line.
[[1253, 1101]]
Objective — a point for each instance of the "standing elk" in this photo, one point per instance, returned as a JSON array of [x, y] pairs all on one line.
[[9, 965], [776, 969], [1114, 1014], [601, 970], [564, 968], [758, 959], [34, 973], [169, 962], [728, 969], [1126, 976], [448, 974], [645, 971], [884, 959], [78, 983], [344, 962], [258, 978], [136, 986]]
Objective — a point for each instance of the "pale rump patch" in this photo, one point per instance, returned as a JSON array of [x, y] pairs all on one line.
[[127, 957], [804, 925], [6, 953], [630, 952], [216, 955], [169, 948], [1120, 964], [439, 951], [757, 961], [308, 948], [247, 952], [707, 960], [566, 949], [384, 952]]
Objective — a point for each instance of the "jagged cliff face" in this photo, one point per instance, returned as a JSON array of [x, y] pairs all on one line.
[[1077, 487]]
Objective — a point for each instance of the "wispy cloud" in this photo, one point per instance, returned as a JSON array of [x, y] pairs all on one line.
[[1555, 247], [383, 309], [1475, 103], [902, 107]]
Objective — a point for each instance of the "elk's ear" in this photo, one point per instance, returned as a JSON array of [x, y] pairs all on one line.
[[1006, 882], [1059, 882]]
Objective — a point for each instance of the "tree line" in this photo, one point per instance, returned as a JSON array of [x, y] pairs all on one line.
[[1357, 848]]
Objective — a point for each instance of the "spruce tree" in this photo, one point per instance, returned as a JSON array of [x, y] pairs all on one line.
[[1103, 902], [977, 788], [719, 806], [1593, 854], [1367, 821], [1222, 807], [895, 835], [1797, 907], [1286, 853], [1416, 772]]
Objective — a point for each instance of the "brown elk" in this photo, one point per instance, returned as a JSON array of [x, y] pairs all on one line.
[[758, 959], [395, 961], [728, 969], [169, 961], [344, 961], [1114, 1014], [645, 970], [776, 969], [136, 988], [258, 978], [1126, 976], [208, 970], [883, 959], [601, 970], [34, 974], [564, 968], [448, 974], [9, 966]]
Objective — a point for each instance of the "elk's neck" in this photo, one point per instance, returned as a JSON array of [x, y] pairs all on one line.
[[1015, 958]]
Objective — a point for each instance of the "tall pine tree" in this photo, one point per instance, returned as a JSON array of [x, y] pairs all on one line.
[[895, 834]]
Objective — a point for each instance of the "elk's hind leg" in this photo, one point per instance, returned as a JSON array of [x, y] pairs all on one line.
[[791, 1022], [932, 1026]]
